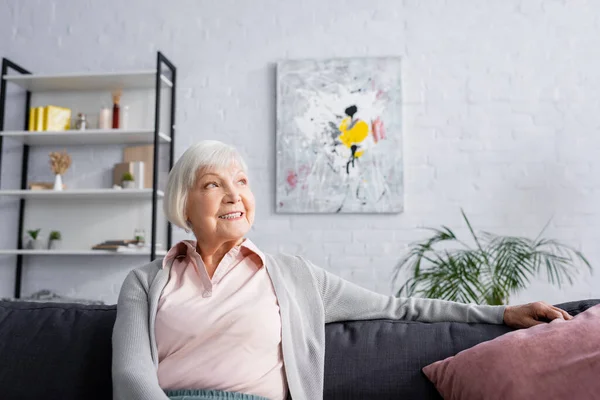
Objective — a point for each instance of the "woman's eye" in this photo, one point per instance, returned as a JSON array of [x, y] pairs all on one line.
[[210, 185], [243, 181]]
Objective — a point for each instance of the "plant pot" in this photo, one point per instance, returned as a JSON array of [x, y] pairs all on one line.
[[34, 244], [54, 244], [128, 185]]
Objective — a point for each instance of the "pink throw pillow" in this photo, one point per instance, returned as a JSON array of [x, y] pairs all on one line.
[[559, 360]]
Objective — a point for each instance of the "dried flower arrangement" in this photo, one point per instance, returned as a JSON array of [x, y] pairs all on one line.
[[60, 162]]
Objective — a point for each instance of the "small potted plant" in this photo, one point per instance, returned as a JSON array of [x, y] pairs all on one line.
[[128, 181], [54, 240], [33, 239]]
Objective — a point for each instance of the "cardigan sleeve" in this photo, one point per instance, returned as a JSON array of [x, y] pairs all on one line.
[[134, 374], [345, 301]]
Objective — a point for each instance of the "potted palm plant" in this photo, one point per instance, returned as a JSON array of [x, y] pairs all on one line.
[[488, 272]]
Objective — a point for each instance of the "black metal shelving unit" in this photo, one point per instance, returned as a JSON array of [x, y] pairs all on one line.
[[162, 64]]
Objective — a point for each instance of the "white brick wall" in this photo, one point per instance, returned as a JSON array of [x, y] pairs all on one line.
[[500, 105]]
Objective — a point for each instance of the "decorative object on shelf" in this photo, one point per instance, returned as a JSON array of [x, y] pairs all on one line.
[[140, 236], [60, 163], [49, 118], [143, 154], [104, 121], [124, 123], [116, 109], [34, 240], [54, 240], [58, 183], [128, 181], [43, 186], [81, 122], [489, 273], [339, 131], [136, 168]]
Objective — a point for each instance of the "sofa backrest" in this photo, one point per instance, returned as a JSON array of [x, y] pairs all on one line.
[[55, 350], [383, 359], [63, 351]]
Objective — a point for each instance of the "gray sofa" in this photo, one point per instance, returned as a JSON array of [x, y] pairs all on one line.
[[63, 351]]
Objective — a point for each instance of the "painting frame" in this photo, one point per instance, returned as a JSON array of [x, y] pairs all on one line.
[[339, 146]]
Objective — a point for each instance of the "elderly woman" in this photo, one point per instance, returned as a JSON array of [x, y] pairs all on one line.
[[217, 318]]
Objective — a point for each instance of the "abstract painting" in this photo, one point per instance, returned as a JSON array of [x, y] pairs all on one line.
[[339, 136]]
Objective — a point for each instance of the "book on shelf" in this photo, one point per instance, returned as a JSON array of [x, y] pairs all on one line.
[[124, 242], [119, 248], [49, 118], [39, 119], [123, 246], [33, 117], [112, 243]]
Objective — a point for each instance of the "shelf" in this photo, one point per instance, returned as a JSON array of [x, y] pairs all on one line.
[[111, 212], [78, 253], [82, 194], [90, 136], [88, 81]]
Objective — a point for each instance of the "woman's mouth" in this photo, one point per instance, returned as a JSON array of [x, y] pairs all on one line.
[[232, 215]]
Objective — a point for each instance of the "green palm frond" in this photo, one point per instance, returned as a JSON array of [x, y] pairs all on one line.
[[497, 267], [513, 266], [559, 261], [419, 251]]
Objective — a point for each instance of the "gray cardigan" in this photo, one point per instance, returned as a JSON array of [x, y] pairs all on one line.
[[309, 297]]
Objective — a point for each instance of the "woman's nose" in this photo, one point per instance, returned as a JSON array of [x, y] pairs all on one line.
[[233, 195]]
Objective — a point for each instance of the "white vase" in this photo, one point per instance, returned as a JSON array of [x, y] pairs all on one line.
[[58, 185], [54, 244], [128, 184]]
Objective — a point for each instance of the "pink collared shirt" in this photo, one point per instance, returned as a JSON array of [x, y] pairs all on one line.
[[222, 333]]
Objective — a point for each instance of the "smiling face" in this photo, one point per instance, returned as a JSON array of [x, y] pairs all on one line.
[[220, 206]]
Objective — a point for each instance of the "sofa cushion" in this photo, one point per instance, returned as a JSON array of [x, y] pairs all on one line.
[[58, 351], [560, 359]]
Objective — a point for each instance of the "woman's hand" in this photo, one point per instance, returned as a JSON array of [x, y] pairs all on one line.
[[528, 315]]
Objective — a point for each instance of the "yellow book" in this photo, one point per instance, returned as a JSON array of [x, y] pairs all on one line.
[[32, 118], [39, 119], [57, 118]]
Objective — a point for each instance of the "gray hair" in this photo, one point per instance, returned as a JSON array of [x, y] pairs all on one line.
[[204, 154]]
